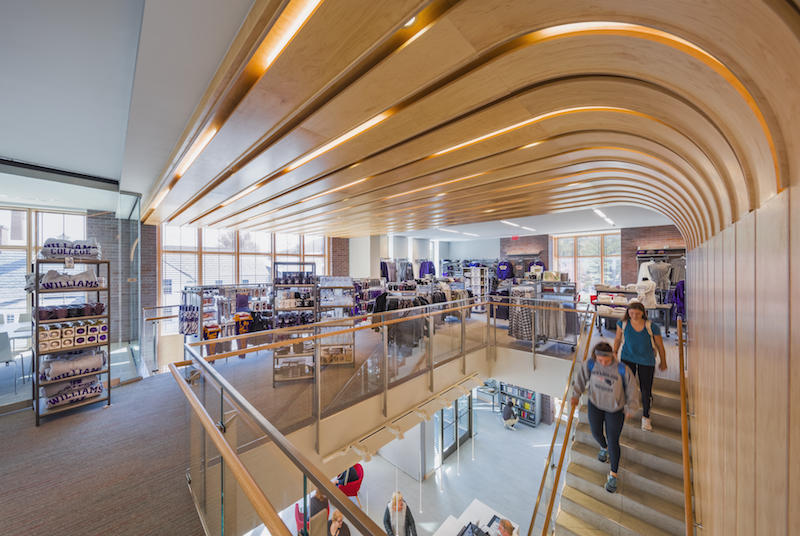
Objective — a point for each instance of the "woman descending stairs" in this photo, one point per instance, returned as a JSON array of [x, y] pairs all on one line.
[[649, 500]]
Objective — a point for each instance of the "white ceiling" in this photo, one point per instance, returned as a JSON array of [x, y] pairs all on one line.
[[578, 221], [106, 88]]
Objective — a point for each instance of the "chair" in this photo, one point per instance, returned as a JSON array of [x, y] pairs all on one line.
[[320, 518], [7, 356], [351, 488]]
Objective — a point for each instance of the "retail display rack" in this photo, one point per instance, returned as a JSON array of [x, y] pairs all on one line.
[[85, 326], [478, 280], [337, 299], [528, 403], [295, 302]]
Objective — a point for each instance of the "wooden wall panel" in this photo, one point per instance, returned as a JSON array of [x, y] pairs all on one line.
[[772, 370], [794, 365], [745, 373], [728, 378], [717, 373]]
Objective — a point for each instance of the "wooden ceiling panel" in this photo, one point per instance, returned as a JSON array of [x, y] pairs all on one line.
[[498, 104]]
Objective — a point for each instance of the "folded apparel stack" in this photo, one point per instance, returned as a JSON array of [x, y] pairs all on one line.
[[605, 310], [604, 298], [68, 395], [619, 299], [618, 311], [55, 248], [53, 280], [66, 366]]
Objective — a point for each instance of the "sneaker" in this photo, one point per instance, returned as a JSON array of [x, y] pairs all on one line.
[[513, 427], [647, 426], [603, 455], [611, 484]]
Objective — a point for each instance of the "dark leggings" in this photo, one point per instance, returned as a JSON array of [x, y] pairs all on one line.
[[645, 374], [613, 422]]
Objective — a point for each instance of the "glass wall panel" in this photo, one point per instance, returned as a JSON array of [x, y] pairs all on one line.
[[612, 270], [179, 238], [588, 246], [13, 227], [221, 240], [314, 245], [255, 242], [612, 244], [566, 247], [255, 269], [219, 270], [287, 243]]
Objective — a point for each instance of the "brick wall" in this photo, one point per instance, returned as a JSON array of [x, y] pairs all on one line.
[[525, 245], [635, 238], [340, 256]]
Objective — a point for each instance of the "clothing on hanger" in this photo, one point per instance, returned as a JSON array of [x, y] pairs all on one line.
[[678, 269], [659, 274], [644, 271]]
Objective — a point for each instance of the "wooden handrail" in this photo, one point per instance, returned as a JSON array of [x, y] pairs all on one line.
[[266, 512], [328, 323], [687, 483], [564, 445]]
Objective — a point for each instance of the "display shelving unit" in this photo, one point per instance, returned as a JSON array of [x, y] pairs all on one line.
[[292, 363], [340, 353], [527, 403], [40, 404], [478, 279]]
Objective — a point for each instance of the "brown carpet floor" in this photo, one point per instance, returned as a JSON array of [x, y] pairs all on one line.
[[117, 471]]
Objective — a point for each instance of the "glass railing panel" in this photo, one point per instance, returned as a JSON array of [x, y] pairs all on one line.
[[447, 340], [350, 365], [476, 328], [408, 343]]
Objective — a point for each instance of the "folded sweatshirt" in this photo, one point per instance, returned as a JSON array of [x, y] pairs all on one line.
[[57, 248], [66, 366], [608, 391], [74, 395], [53, 280], [53, 389]]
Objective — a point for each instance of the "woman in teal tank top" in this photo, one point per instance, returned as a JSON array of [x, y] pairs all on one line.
[[639, 340]]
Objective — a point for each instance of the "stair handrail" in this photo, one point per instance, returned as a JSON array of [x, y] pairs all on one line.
[[266, 512], [355, 516], [564, 402], [687, 483]]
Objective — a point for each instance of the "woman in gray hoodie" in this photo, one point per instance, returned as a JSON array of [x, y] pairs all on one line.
[[613, 395]]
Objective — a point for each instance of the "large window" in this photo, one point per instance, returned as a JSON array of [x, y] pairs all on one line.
[[191, 256], [589, 260]]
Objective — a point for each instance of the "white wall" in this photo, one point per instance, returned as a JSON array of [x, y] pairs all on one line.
[[475, 249], [408, 453], [360, 256]]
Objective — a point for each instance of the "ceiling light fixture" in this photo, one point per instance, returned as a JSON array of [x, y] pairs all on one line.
[[534, 144], [470, 234], [599, 213], [159, 198], [410, 23], [439, 195], [509, 223], [608, 221], [450, 231], [338, 141], [490, 210], [435, 185], [194, 152], [529, 229], [240, 195], [285, 28], [334, 190]]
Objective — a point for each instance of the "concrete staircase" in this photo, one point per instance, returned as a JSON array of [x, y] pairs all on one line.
[[649, 499]]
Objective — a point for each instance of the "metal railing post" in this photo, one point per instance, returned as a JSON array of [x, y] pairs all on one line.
[[385, 335], [463, 318], [430, 351], [317, 385]]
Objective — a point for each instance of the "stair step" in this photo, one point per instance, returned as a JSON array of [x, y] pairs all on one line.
[[664, 420], [569, 525], [640, 452], [598, 514], [662, 436], [658, 484], [671, 386], [628, 499], [663, 398]]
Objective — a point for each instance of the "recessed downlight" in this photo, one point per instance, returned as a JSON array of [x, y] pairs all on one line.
[[410, 23]]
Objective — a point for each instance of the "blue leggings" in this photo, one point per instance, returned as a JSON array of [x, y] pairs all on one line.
[[613, 422]]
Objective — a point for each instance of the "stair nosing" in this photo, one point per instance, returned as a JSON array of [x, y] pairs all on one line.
[[569, 491]]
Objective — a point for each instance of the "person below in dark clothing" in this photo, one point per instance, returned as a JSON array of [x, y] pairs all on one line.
[[510, 417], [351, 475]]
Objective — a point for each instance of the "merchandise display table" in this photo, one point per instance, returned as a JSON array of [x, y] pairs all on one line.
[[491, 392], [476, 513]]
